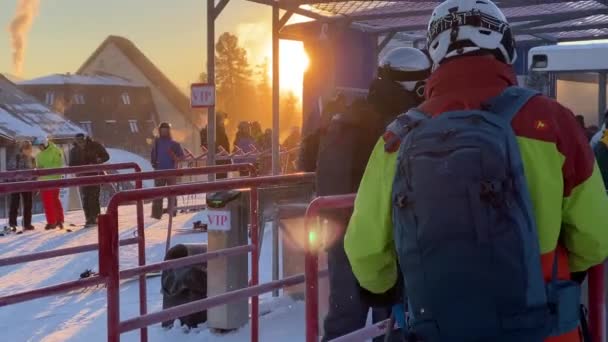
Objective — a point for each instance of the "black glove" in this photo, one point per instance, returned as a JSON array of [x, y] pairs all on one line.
[[578, 277], [387, 299]]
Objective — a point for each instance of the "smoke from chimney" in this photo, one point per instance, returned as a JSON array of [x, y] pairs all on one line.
[[19, 28]]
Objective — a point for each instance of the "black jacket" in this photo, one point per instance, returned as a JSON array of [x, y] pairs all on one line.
[[93, 153]]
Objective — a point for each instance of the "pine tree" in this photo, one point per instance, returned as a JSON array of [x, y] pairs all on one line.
[[233, 75], [264, 94]]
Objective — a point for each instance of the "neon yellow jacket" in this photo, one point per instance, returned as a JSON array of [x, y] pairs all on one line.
[[50, 158]]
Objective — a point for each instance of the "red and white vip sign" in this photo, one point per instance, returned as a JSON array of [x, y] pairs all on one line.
[[202, 95], [218, 220]]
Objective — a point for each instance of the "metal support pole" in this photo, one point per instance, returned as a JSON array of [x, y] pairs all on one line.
[[275, 253], [597, 303], [276, 157], [141, 259], [108, 268], [601, 99], [385, 41], [211, 79], [255, 264]]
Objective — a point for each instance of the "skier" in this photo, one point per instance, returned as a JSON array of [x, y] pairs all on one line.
[[476, 234], [50, 157], [221, 141], [165, 155], [345, 145], [23, 160], [87, 151], [244, 140]]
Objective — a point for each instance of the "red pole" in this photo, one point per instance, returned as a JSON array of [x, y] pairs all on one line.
[[311, 271], [597, 303], [108, 267], [255, 264], [141, 255], [311, 259]]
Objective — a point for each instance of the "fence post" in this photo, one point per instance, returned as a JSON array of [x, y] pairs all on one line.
[[108, 267], [311, 271], [141, 254], [597, 303], [255, 263]]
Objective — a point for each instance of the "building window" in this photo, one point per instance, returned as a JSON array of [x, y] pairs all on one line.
[[126, 99], [87, 126], [78, 99], [133, 125], [50, 98]]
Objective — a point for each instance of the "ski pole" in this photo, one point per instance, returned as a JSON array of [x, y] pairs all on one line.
[[389, 328]]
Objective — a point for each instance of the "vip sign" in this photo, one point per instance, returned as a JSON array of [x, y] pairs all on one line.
[[217, 220], [202, 95]]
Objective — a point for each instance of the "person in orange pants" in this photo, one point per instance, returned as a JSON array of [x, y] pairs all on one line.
[[50, 157]]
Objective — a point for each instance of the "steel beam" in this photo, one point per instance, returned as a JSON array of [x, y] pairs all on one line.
[[563, 29], [521, 18], [219, 8], [211, 16], [285, 18], [276, 28], [385, 41], [601, 98]]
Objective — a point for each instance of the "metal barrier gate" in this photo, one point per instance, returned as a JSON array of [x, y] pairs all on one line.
[[138, 177], [109, 259], [596, 282]]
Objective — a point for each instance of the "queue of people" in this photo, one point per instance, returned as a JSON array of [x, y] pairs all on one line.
[[482, 208], [250, 138], [85, 151]]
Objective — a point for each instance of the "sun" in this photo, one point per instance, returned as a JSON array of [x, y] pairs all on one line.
[[292, 65]]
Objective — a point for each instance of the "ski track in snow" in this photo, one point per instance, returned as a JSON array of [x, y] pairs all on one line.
[[81, 314]]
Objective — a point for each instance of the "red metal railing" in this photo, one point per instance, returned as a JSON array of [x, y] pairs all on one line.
[[108, 258], [138, 177], [596, 282], [311, 261], [10, 175], [597, 303]]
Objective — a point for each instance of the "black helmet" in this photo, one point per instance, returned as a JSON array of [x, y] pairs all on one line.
[[164, 125]]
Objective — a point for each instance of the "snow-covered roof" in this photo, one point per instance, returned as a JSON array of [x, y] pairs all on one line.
[[98, 80], [22, 116]]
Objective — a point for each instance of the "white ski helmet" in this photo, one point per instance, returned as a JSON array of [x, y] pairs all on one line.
[[408, 66], [462, 26], [40, 141]]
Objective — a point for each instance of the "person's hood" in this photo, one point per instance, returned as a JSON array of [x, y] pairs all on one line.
[[466, 79]]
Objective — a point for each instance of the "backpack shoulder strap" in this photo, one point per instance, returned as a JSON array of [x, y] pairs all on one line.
[[400, 127], [510, 102]]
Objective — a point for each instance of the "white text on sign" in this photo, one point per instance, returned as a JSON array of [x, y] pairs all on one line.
[[217, 220], [202, 95]]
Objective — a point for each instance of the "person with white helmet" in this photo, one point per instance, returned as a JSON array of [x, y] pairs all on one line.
[[50, 157], [485, 204], [345, 146]]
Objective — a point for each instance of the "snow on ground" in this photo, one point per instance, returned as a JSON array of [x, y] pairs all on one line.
[[122, 156], [81, 314]]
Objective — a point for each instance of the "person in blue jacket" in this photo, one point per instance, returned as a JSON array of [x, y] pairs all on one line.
[[166, 154]]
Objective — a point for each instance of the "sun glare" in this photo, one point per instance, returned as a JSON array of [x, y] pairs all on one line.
[[293, 63]]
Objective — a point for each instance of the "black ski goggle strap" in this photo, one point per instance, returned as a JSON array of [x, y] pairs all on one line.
[[402, 75], [472, 18]]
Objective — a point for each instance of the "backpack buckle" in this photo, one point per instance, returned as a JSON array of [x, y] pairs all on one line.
[[402, 201], [489, 191]]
